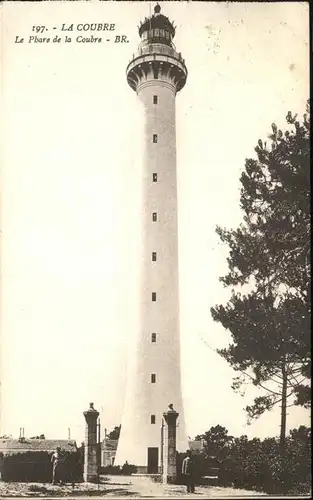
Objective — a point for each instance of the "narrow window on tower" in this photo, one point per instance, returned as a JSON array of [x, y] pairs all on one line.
[[155, 138], [152, 419], [154, 256], [153, 296], [155, 99], [153, 337], [154, 217], [153, 378], [155, 177]]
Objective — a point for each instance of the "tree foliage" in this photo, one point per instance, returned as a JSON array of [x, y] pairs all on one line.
[[272, 245], [216, 441], [256, 464], [115, 433], [270, 252]]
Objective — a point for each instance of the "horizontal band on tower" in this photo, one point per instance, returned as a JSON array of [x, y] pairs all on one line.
[[153, 83]]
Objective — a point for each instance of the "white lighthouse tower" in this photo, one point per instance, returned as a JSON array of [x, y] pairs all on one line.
[[157, 72]]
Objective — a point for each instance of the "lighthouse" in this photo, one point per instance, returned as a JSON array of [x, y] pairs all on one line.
[[156, 73]]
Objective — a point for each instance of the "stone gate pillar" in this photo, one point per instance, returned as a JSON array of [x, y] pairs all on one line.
[[91, 455], [169, 445]]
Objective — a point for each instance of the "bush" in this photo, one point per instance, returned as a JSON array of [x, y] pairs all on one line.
[[128, 469], [37, 489], [258, 465], [115, 470]]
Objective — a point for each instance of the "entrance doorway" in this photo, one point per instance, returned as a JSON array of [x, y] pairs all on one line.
[[153, 460]]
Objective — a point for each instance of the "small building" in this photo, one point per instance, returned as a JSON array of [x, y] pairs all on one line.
[[26, 459], [108, 451], [23, 445]]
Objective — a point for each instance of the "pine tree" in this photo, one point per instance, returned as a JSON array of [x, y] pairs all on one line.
[[270, 252]]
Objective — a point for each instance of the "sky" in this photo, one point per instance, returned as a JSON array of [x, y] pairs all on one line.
[[70, 176]]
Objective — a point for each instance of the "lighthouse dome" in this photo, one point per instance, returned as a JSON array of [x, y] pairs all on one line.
[[157, 28]]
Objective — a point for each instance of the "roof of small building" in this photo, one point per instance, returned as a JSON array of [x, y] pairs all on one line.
[[109, 444], [25, 444]]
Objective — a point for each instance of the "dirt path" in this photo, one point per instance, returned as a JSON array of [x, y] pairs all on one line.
[[116, 487]]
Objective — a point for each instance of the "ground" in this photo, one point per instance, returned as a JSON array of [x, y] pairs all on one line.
[[116, 487]]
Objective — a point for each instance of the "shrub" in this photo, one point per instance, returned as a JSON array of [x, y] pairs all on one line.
[[128, 469], [256, 464], [37, 489], [115, 470]]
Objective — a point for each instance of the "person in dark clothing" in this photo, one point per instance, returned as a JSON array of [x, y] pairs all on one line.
[[188, 472]]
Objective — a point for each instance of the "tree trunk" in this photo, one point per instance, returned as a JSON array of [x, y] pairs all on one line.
[[282, 441], [283, 415]]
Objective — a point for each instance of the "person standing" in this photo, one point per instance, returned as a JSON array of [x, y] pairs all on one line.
[[188, 472], [56, 466]]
